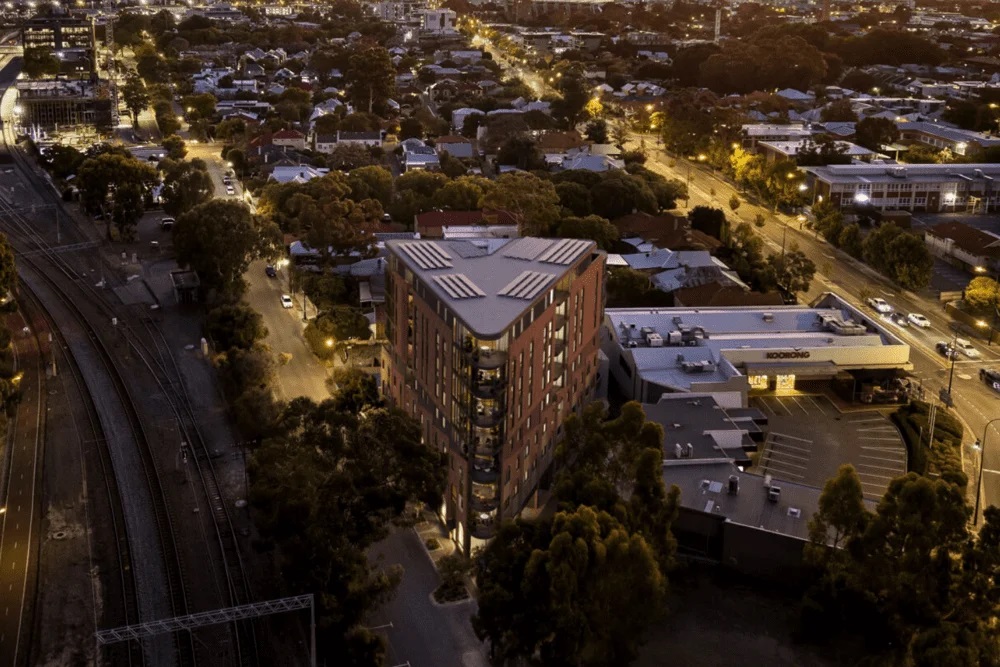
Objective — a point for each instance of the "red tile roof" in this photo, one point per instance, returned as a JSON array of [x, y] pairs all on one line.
[[288, 134]]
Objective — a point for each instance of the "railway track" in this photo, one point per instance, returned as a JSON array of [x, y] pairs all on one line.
[[43, 266], [159, 360], [94, 447]]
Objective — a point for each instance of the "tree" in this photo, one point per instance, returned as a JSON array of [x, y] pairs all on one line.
[[850, 240], [234, 325], [370, 76], [532, 202], [793, 271], [763, 63], [326, 488], [575, 197], [628, 288], [522, 152], [185, 185], [568, 107], [839, 111], [219, 239], [118, 186], [597, 131], [8, 268], [734, 203], [372, 182], [39, 62], [462, 194], [982, 295], [711, 221], [176, 150], [61, 160], [900, 256], [577, 593], [338, 324], [348, 157], [201, 105], [135, 95], [619, 193], [842, 513], [874, 133], [411, 128], [821, 152], [592, 227]]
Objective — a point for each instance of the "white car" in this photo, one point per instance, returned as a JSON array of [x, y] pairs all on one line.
[[880, 305], [965, 347], [286, 301], [230, 190], [918, 320]]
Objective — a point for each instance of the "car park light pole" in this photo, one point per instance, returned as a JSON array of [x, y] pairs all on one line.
[[981, 446]]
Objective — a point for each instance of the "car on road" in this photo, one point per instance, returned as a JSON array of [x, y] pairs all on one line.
[[918, 320], [166, 224], [946, 350], [230, 190], [899, 319], [965, 347], [879, 304], [991, 377], [271, 271], [286, 301]]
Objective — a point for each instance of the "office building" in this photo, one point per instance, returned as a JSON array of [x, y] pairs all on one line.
[[492, 344]]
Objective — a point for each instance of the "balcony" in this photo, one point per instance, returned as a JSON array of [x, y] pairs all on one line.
[[488, 418], [558, 346], [484, 529], [559, 321], [485, 471], [487, 359], [485, 498], [560, 296], [488, 389]]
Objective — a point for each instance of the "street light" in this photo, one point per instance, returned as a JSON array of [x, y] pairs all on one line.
[[981, 444]]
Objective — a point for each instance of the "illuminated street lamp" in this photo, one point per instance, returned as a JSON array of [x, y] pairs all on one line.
[[981, 445], [329, 342]]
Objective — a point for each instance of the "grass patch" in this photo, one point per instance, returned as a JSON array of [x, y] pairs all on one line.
[[943, 457]]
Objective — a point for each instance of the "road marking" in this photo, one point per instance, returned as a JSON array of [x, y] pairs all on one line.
[[992, 472], [871, 474]]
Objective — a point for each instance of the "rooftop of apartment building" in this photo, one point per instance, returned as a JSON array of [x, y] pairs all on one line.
[[54, 88], [932, 173], [488, 283]]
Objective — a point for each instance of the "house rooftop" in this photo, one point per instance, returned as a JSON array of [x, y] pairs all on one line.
[[489, 283], [974, 241]]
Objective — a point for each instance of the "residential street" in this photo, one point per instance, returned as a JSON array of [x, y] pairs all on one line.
[[836, 271], [303, 375]]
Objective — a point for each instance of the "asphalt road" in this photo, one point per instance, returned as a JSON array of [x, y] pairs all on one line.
[[303, 375], [975, 403], [18, 543]]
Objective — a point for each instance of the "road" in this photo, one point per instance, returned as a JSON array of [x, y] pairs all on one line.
[[975, 403], [303, 374], [18, 543]]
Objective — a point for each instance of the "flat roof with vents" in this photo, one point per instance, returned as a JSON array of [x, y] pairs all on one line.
[[490, 283]]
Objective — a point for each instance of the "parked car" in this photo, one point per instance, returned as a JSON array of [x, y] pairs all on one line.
[[230, 191], [286, 301], [965, 347], [946, 350], [166, 224], [918, 320], [899, 319], [991, 377], [880, 305], [271, 271]]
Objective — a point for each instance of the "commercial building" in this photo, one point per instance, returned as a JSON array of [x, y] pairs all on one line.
[[730, 352], [57, 33], [914, 187], [966, 143], [55, 103], [492, 344]]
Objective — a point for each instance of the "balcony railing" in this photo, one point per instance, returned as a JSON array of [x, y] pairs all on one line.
[[488, 418], [560, 296], [488, 389], [484, 529], [485, 474], [488, 359], [485, 503]]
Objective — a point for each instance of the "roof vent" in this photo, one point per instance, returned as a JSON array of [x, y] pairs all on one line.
[[768, 317]]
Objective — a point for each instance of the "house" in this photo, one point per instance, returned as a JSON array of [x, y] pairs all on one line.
[[458, 147], [595, 163], [960, 142], [418, 155], [432, 224], [370, 139], [782, 150], [324, 143], [289, 139], [296, 173], [965, 246], [458, 116], [667, 230]]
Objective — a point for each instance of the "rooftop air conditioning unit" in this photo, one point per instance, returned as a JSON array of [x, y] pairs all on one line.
[[654, 340]]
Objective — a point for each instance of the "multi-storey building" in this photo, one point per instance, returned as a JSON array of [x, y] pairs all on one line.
[[492, 344]]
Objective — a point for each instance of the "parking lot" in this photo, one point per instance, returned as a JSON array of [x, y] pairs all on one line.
[[809, 438]]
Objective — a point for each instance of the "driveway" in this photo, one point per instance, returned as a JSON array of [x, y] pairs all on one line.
[[303, 374]]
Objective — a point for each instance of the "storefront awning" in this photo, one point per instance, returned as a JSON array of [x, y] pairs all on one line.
[[816, 369]]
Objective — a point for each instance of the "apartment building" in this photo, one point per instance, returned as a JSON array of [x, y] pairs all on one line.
[[934, 188], [492, 344]]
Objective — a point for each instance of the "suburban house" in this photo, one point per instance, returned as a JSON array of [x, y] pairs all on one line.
[[289, 139], [370, 139], [433, 224], [458, 147], [960, 142], [324, 143], [964, 246]]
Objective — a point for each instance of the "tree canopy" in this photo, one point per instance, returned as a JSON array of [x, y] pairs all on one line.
[[117, 186], [186, 184]]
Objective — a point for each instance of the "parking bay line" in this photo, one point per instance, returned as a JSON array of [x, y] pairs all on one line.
[[870, 474], [784, 436], [869, 457], [794, 463]]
